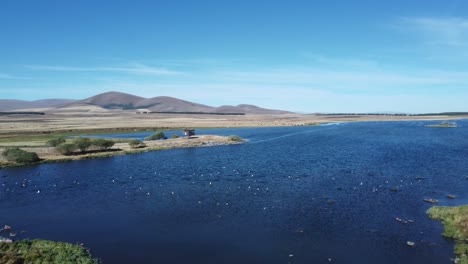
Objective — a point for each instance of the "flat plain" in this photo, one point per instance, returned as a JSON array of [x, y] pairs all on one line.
[[94, 119]]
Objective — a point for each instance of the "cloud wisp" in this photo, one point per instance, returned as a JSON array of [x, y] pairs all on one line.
[[135, 68], [7, 76], [348, 80], [450, 31]]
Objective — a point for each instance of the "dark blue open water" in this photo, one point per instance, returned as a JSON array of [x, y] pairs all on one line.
[[291, 195]]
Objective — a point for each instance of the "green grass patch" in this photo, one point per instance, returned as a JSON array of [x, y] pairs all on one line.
[[455, 221], [43, 251], [45, 136], [28, 138], [235, 138]]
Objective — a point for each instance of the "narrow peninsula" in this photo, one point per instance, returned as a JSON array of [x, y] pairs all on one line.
[[82, 148]]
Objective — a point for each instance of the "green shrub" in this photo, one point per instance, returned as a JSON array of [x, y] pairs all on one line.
[[235, 138], [135, 143], [66, 149], [55, 141], [28, 157], [102, 144], [83, 144], [158, 135], [20, 156], [10, 153], [175, 136]]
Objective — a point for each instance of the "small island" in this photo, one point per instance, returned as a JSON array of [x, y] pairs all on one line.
[[445, 124], [455, 221]]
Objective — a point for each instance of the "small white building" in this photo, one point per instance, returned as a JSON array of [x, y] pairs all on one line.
[[189, 132], [143, 111]]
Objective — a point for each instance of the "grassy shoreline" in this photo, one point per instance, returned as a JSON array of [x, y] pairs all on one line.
[[455, 221], [46, 135]]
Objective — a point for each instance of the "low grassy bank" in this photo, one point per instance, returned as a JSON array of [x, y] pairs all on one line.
[[455, 221], [40, 138], [43, 251]]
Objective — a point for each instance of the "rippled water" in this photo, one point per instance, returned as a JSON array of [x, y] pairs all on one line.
[[298, 195]]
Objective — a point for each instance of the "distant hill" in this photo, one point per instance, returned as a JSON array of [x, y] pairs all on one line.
[[123, 101], [9, 105], [171, 104], [109, 100], [251, 109]]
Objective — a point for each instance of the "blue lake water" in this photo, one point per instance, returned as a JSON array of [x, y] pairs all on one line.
[[290, 195]]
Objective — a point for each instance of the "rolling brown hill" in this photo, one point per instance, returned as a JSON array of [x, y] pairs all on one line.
[[251, 109], [123, 101], [171, 104], [109, 100]]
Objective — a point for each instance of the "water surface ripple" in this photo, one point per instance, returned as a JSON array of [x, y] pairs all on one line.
[[291, 195]]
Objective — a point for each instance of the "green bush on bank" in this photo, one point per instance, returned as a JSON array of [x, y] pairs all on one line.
[[102, 144], [135, 143], [157, 136], [20, 156], [66, 149], [83, 144]]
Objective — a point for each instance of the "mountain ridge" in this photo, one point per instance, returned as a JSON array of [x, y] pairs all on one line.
[[123, 101]]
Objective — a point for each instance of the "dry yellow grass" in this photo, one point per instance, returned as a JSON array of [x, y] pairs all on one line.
[[84, 119]]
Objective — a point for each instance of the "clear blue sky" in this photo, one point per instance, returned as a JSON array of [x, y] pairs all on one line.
[[307, 56]]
